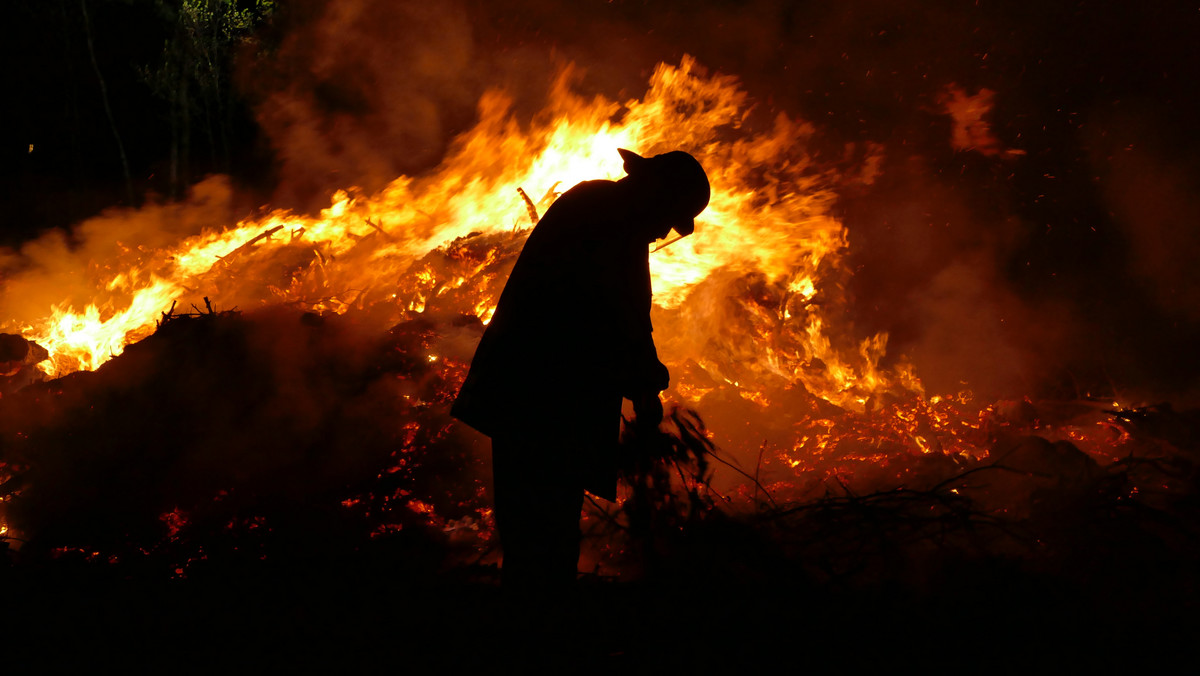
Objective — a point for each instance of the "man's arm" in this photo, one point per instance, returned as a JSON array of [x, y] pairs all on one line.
[[645, 375]]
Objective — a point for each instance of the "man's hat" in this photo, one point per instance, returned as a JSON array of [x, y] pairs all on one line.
[[681, 174]]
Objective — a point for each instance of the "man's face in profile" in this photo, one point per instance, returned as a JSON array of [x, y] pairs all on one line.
[[660, 230], [662, 207]]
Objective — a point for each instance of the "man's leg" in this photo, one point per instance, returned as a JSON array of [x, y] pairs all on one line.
[[538, 499]]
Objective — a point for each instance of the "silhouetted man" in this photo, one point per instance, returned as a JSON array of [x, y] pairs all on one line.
[[570, 337]]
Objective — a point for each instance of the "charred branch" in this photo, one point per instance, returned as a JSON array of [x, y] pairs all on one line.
[[379, 229], [243, 248], [529, 206]]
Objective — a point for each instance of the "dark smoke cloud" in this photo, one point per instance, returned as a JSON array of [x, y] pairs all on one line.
[[361, 91], [1153, 200]]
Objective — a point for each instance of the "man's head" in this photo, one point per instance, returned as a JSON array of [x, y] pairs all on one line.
[[673, 187]]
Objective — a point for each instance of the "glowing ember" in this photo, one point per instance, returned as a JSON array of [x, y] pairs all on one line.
[[971, 130]]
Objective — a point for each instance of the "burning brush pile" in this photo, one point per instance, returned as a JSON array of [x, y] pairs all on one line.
[[216, 396]]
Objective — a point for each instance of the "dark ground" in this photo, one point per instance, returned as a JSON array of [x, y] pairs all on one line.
[[271, 569], [986, 619]]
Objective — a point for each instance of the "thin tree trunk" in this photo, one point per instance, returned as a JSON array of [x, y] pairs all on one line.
[[112, 123], [222, 56], [185, 111], [209, 116], [72, 95], [173, 177]]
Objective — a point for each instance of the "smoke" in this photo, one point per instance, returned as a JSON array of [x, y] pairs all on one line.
[[967, 324], [62, 268], [1153, 201], [362, 91], [1147, 179]]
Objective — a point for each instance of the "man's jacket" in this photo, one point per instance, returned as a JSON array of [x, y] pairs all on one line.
[[571, 333]]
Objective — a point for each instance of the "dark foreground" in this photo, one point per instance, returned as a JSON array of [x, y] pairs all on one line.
[[356, 612], [279, 493]]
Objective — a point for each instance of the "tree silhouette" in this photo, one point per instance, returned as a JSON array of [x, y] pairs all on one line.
[[193, 75]]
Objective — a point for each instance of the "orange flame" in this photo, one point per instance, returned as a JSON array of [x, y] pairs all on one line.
[[769, 216]]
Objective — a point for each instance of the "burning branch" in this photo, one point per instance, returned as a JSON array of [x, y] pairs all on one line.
[[208, 311], [666, 244], [551, 195], [533, 214], [381, 231], [262, 235]]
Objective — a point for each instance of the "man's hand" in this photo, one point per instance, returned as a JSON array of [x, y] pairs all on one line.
[[660, 377], [649, 410]]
